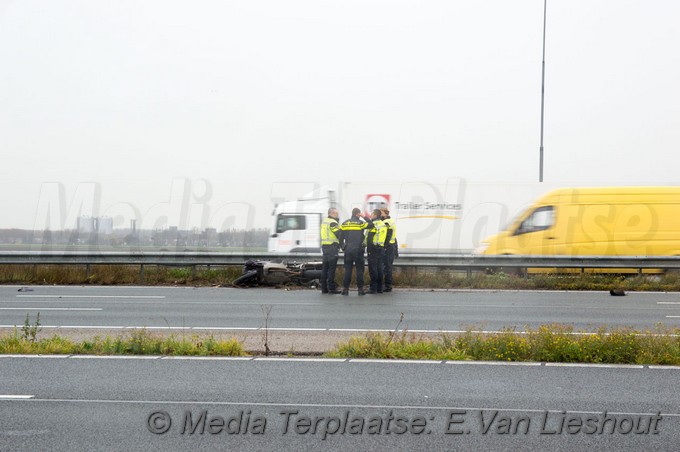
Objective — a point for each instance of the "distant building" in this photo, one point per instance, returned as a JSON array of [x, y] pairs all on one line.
[[89, 225], [86, 224], [105, 225]]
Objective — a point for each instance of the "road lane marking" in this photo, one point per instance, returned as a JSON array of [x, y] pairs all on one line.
[[597, 365], [497, 363], [300, 360], [40, 308], [308, 330], [329, 303], [15, 396], [394, 361], [92, 296], [350, 360]]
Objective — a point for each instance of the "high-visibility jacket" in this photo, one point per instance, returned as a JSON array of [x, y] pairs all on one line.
[[330, 232], [391, 231], [378, 234]]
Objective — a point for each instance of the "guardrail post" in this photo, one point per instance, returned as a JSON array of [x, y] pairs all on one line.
[[87, 272], [141, 273]]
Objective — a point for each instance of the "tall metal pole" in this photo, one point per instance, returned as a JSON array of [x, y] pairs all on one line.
[[540, 168]]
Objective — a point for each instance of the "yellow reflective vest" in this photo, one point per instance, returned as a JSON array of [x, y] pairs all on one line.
[[379, 233], [391, 226], [329, 231]]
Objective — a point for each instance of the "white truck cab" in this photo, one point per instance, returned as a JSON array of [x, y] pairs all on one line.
[[297, 223]]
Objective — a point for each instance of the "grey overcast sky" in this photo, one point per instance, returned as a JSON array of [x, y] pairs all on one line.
[[235, 97]]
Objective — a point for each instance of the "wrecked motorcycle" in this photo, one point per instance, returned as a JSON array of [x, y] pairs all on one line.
[[273, 273]]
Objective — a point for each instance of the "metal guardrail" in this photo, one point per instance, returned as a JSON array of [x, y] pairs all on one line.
[[454, 261]]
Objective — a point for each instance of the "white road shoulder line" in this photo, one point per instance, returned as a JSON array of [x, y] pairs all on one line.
[[208, 358], [15, 396], [496, 363], [115, 357], [40, 308], [393, 361], [92, 296], [347, 360], [298, 360], [595, 365]]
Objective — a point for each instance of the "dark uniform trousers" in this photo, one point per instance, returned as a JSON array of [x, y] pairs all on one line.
[[388, 260], [375, 267], [354, 257], [328, 266]]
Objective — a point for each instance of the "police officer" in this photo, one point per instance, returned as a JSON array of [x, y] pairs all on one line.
[[376, 250], [353, 232], [391, 247], [330, 244]]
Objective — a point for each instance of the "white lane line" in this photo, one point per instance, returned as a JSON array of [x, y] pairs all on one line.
[[596, 365], [37, 356], [113, 357], [497, 363], [92, 296], [208, 358], [39, 308], [301, 360], [668, 302], [346, 406], [15, 396], [393, 361], [296, 329], [348, 360]]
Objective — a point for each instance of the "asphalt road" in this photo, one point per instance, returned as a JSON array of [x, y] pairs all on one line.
[[308, 310], [77, 403]]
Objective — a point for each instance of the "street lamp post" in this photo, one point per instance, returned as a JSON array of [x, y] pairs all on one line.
[[540, 165]]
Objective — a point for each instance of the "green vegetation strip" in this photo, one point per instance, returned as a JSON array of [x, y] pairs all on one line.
[[139, 342], [403, 278], [549, 343], [154, 275]]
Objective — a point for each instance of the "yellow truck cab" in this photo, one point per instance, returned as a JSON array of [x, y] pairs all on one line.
[[614, 221]]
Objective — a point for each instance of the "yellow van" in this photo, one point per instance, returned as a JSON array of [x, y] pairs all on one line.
[[614, 221]]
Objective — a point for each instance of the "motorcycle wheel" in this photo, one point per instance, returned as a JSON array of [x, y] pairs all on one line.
[[247, 279]]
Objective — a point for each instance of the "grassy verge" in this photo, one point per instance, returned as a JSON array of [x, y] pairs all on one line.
[[450, 280], [116, 275], [403, 278], [549, 343], [139, 342]]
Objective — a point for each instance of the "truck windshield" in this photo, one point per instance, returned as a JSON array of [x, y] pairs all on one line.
[[290, 223]]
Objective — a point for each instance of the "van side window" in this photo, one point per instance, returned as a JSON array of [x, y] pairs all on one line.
[[290, 222], [541, 219]]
